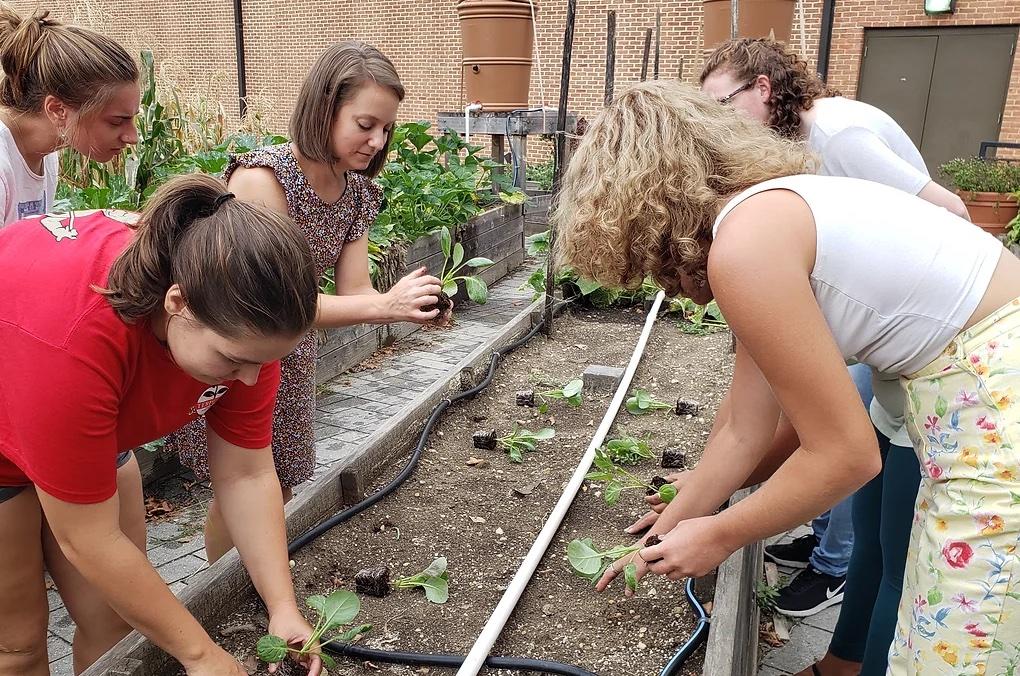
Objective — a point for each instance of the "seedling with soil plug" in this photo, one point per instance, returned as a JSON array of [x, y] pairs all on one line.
[[334, 611], [434, 580], [591, 564], [453, 263], [628, 450], [521, 440], [640, 402], [570, 393], [617, 480]]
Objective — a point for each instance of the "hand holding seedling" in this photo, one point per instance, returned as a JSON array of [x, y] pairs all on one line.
[[295, 631], [679, 480], [291, 636], [406, 299]]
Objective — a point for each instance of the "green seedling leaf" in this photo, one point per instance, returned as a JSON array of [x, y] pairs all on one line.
[[630, 575], [458, 254], [271, 649], [628, 450], [445, 241], [450, 288], [573, 388], [328, 661], [477, 290], [515, 455], [667, 493], [543, 408], [337, 609], [478, 262], [437, 589], [353, 633], [612, 493], [436, 568], [544, 434], [583, 557]]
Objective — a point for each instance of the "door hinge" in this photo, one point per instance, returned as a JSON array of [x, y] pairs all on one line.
[[865, 50], [1012, 48]]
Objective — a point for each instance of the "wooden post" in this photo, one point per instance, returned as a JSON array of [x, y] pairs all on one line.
[[658, 32], [561, 154], [680, 71], [610, 56], [498, 155], [644, 59]]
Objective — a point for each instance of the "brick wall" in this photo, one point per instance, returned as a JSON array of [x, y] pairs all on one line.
[[194, 40]]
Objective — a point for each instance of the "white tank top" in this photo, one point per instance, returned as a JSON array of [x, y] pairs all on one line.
[[896, 277]]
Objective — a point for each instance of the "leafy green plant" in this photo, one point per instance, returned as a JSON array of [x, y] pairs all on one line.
[[640, 403], [617, 480], [1013, 227], [570, 393], [434, 580], [766, 595], [591, 564], [334, 611], [698, 320], [542, 173], [453, 263], [537, 244], [520, 440], [982, 175], [627, 450]]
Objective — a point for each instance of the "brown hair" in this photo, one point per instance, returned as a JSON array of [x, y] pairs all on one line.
[[243, 269], [334, 79], [42, 57], [794, 86]]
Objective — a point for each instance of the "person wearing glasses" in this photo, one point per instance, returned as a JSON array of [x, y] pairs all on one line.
[[859, 547]]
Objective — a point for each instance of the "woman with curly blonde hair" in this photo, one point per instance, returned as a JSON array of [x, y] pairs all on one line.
[[813, 271]]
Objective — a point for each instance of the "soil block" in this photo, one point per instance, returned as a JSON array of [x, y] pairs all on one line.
[[674, 458], [484, 440], [373, 581], [687, 407], [656, 483], [442, 305], [526, 398]]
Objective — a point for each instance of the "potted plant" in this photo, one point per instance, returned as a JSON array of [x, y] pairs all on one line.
[[988, 189]]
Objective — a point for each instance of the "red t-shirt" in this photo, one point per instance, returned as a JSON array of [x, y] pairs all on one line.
[[78, 385]]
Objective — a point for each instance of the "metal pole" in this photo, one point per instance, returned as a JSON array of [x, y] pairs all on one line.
[[658, 32], [644, 59], [561, 155], [242, 80], [610, 56], [734, 18], [680, 72]]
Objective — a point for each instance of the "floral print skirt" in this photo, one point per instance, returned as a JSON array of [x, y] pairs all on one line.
[[960, 609]]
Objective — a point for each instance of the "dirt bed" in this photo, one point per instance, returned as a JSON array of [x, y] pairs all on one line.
[[484, 516]]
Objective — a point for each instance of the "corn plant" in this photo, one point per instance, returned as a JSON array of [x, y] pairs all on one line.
[[641, 402], [521, 440], [617, 480]]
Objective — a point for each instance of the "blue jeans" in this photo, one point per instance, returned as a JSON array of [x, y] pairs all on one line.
[[835, 528]]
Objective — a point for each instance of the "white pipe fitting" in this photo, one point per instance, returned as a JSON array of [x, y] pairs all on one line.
[[467, 119]]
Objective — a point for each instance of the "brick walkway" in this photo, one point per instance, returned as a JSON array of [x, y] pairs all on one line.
[[350, 407], [809, 638]]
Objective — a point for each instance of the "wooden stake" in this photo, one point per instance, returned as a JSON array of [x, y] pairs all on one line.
[[561, 155], [658, 32], [644, 59], [610, 56]]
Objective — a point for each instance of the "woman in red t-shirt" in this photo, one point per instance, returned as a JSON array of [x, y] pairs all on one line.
[[118, 329]]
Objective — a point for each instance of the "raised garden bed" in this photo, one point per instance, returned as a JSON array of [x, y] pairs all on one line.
[[483, 517], [497, 234]]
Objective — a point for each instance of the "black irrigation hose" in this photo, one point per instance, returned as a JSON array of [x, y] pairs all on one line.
[[525, 664], [676, 663], [453, 661]]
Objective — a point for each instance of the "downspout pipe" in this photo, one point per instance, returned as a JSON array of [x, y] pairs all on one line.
[[825, 37], [242, 80]]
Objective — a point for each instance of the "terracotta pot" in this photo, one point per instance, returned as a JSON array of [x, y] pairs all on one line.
[[990, 210], [497, 38], [755, 19]]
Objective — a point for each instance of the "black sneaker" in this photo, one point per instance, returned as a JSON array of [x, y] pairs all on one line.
[[810, 592], [792, 554]]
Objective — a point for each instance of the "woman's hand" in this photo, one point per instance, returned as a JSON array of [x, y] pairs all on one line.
[[693, 548], [406, 299], [218, 663], [292, 627], [678, 479]]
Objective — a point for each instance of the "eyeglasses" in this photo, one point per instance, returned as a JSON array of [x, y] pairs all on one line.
[[742, 88]]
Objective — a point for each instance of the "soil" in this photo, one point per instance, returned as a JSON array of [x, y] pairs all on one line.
[[483, 512], [443, 304]]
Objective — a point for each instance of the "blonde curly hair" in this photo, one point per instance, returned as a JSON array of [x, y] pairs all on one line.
[[649, 178]]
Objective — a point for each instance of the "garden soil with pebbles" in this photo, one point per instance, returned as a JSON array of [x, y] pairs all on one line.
[[484, 517]]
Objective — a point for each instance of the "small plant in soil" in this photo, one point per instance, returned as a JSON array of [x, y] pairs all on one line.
[[334, 611], [434, 580], [521, 440], [766, 595], [640, 403], [617, 480], [591, 564], [453, 264], [570, 393], [627, 450]]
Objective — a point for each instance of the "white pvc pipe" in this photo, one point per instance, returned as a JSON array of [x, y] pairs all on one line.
[[494, 626], [467, 119]]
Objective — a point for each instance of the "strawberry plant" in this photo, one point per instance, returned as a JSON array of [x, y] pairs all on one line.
[[627, 450], [434, 580], [521, 440], [618, 480], [334, 611], [640, 402]]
